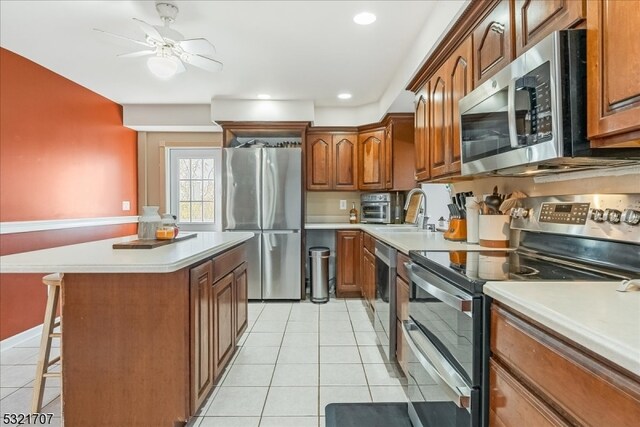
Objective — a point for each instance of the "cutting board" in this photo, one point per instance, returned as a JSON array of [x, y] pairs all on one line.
[[150, 244], [413, 209]]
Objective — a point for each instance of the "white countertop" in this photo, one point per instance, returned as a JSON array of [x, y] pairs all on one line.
[[100, 257], [402, 240], [592, 314]]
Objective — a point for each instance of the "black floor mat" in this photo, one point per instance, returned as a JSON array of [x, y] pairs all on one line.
[[367, 415]]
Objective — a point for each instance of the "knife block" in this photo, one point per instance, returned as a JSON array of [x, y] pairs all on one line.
[[457, 231]]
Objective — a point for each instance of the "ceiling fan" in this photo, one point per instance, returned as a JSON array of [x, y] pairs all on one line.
[[168, 49]]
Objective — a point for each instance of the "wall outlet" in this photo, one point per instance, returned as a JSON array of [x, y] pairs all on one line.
[[343, 205], [126, 205]]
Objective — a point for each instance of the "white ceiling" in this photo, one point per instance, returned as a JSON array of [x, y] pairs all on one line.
[[294, 50]]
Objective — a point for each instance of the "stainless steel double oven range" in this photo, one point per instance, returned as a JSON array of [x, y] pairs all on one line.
[[558, 238]]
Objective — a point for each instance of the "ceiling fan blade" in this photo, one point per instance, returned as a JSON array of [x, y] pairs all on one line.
[[202, 62], [197, 46], [122, 37], [137, 54], [181, 68], [150, 31]]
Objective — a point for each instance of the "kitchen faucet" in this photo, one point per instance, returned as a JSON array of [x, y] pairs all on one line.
[[422, 218]]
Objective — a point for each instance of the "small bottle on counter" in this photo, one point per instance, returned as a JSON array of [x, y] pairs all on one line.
[[353, 214]]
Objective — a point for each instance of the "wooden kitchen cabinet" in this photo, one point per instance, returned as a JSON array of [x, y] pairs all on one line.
[[241, 301], [319, 162], [542, 377], [449, 84], [332, 161], [492, 43], [348, 244], [399, 144], [421, 132], [223, 324], [201, 333], [369, 270], [536, 19], [371, 165], [613, 76]]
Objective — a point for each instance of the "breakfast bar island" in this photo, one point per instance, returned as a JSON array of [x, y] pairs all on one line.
[[146, 333]]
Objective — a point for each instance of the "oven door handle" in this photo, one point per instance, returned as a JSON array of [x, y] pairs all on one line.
[[464, 305], [437, 365]]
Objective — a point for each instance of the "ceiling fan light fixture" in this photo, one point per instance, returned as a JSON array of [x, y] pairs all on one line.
[[163, 67]]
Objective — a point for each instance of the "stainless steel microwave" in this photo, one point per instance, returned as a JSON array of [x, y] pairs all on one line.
[[531, 116]]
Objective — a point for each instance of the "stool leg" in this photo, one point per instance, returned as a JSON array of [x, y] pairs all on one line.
[[45, 348]]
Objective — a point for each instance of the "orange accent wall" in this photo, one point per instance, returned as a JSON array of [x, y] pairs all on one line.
[[64, 153]]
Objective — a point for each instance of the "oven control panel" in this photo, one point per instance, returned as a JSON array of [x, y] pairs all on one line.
[[564, 213], [599, 216]]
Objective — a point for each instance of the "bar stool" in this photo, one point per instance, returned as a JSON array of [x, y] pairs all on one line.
[[54, 283]]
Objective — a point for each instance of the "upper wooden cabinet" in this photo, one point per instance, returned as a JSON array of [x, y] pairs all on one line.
[[371, 160], [535, 19], [319, 162], [421, 131], [332, 161], [399, 152], [449, 84], [345, 161], [492, 42], [613, 76]]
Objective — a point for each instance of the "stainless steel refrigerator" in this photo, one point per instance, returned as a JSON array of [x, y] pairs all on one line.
[[262, 192]]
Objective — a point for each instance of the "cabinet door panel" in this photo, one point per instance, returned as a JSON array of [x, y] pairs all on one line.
[[388, 157], [202, 375], [345, 161], [240, 299], [223, 324], [348, 263], [613, 49], [371, 169], [319, 162], [460, 84], [421, 136], [438, 125], [492, 43], [512, 405], [536, 19]]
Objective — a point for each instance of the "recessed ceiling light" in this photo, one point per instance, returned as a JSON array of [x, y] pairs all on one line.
[[344, 95], [264, 96], [364, 18]]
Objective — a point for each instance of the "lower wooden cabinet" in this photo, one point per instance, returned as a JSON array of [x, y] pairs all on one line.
[[538, 378], [218, 317], [348, 263], [201, 333], [224, 336], [241, 300], [369, 278]]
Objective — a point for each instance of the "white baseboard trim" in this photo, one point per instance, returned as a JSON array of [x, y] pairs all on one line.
[[11, 227], [18, 339]]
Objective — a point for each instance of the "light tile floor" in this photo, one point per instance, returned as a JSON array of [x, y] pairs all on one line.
[[293, 360], [297, 358]]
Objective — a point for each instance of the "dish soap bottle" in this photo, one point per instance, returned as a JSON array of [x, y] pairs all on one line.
[[353, 214]]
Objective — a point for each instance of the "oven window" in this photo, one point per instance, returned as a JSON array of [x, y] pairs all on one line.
[[449, 330]]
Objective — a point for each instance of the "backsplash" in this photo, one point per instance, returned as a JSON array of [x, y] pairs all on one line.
[[324, 206], [588, 182]]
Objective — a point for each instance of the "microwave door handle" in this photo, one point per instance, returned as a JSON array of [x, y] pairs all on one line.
[[511, 114], [463, 305], [446, 376]]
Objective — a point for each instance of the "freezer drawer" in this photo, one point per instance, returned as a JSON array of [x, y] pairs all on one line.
[[282, 189], [281, 265]]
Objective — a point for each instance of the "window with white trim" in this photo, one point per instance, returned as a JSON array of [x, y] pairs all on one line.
[[194, 186]]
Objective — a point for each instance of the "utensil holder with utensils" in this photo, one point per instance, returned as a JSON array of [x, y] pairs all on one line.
[[493, 231], [457, 221]]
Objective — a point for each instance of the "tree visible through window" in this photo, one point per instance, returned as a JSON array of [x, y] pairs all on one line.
[[193, 183]]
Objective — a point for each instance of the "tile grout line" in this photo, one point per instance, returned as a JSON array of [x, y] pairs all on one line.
[[361, 361]]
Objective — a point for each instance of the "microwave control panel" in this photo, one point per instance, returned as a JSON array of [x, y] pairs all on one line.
[[564, 213]]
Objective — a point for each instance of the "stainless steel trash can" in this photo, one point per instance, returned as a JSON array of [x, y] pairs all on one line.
[[319, 256]]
